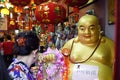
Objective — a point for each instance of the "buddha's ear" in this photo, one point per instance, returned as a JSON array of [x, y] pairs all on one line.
[[99, 28]]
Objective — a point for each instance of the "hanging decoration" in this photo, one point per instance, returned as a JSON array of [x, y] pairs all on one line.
[[75, 9], [75, 4], [66, 52], [21, 3], [50, 13]]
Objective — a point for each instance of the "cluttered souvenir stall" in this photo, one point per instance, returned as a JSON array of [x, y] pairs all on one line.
[[70, 44]]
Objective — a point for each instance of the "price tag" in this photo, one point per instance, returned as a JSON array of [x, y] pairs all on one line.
[[85, 72]]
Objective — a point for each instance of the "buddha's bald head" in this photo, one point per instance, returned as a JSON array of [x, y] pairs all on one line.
[[88, 19]]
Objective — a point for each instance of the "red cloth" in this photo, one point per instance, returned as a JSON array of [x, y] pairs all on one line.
[[8, 47]]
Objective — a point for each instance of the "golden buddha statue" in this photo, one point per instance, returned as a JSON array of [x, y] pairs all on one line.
[[91, 54]]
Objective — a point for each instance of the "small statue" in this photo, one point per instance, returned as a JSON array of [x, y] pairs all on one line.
[[90, 55]]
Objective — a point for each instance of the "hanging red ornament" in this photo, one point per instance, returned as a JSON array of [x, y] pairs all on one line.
[[20, 2], [75, 9], [50, 13]]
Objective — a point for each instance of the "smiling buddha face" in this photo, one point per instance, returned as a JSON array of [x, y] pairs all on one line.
[[88, 29]]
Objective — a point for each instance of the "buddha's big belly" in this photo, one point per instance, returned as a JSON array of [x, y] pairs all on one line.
[[104, 72]]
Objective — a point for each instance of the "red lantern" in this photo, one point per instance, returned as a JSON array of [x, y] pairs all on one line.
[[20, 2], [50, 13], [77, 3]]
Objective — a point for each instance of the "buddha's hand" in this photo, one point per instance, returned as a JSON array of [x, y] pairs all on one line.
[[49, 57]]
